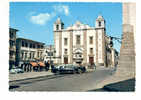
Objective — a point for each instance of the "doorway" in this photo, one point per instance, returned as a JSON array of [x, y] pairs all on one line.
[[65, 60], [91, 60]]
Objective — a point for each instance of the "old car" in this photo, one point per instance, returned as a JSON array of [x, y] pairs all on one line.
[[16, 70], [68, 68]]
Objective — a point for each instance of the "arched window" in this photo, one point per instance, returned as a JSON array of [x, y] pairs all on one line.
[[57, 27], [62, 26], [99, 23]]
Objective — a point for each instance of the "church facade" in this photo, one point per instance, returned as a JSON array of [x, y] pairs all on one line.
[[82, 44]]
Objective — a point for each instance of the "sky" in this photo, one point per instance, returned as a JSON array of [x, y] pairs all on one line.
[[35, 20]]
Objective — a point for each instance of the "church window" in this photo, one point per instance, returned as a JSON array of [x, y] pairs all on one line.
[[91, 50], [62, 26], [66, 51], [65, 41], [57, 27], [99, 23], [78, 39], [91, 40]]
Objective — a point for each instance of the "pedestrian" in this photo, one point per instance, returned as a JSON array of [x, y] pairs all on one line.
[[22, 66], [94, 66], [47, 66], [52, 67], [30, 67]]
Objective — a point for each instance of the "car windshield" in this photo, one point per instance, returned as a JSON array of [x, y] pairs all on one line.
[[69, 66], [61, 67]]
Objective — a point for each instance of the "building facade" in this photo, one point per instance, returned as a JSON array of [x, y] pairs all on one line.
[[49, 53], [12, 47], [81, 44], [28, 50]]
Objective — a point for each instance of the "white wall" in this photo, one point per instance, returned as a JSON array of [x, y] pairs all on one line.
[[75, 33], [66, 34], [100, 60], [91, 33]]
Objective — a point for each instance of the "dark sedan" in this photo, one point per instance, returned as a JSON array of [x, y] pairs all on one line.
[[68, 68]]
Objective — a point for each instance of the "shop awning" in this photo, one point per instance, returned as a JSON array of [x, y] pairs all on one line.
[[34, 64], [41, 64]]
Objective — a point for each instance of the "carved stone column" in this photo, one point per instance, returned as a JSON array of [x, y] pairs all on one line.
[[60, 47], [71, 47], [126, 65], [96, 47], [85, 47]]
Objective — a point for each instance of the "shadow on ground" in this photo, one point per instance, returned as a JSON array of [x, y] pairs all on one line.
[[122, 86], [13, 86]]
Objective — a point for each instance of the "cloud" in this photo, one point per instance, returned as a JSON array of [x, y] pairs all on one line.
[[61, 9], [41, 18]]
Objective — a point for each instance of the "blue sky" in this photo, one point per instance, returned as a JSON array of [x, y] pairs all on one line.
[[34, 20]]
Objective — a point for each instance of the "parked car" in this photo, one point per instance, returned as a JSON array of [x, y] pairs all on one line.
[[69, 68], [56, 69], [16, 70]]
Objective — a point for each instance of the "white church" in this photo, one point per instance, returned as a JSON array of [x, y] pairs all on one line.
[[82, 44]]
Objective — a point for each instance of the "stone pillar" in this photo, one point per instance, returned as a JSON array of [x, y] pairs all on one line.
[[103, 48], [60, 46], [71, 47], [85, 47], [96, 47], [126, 65]]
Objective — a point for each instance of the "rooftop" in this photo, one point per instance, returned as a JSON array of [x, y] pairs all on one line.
[[30, 40]]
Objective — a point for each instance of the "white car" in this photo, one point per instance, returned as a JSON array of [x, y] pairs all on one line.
[[16, 70]]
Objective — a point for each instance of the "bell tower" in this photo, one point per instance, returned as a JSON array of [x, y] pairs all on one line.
[[100, 36], [58, 28], [100, 22], [58, 25]]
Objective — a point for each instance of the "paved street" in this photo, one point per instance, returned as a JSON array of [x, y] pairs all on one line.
[[70, 82]]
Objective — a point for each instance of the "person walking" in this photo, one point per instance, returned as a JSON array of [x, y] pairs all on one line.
[[94, 66], [47, 66], [52, 67]]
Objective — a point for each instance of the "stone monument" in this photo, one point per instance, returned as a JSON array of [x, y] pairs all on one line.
[[126, 65]]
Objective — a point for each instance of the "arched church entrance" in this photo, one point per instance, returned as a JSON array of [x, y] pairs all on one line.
[[78, 56]]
